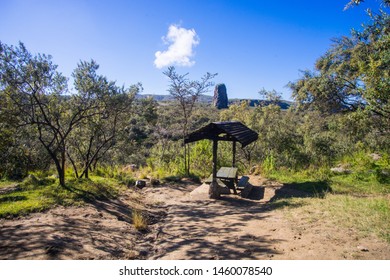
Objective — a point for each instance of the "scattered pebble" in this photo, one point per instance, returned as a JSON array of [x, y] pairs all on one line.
[[362, 248]]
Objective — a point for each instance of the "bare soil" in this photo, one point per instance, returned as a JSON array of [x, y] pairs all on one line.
[[183, 224]]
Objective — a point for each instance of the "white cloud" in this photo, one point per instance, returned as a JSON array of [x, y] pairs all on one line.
[[181, 42]]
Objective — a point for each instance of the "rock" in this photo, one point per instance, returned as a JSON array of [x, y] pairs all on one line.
[[32, 179], [341, 169], [362, 248], [130, 167], [201, 192], [140, 184], [143, 252], [154, 182], [254, 170], [220, 97], [375, 156]]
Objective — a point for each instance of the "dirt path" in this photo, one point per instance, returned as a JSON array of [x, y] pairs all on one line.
[[185, 224], [235, 228]]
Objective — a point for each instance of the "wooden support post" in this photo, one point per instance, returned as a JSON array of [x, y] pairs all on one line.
[[185, 157], [189, 159], [214, 190], [234, 154], [215, 159]]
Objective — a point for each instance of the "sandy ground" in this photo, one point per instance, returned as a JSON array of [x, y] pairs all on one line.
[[183, 224]]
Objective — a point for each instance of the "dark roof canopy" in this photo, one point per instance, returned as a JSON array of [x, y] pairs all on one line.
[[224, 131]]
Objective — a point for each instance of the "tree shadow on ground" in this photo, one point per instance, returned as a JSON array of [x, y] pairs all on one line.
[[302, 190], [213, 229], [101, 229], [284, 195], [257, 193], [63, 237]]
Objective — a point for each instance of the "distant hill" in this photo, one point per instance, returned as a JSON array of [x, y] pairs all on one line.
[[166, 97], [284, 104]]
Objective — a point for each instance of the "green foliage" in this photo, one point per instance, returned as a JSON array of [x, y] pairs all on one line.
[[353, 74], [279, 135], [32, 96], [165, 156], [81, 127], [108, 108], [365, 176], [353, 3], [122, 175], [311, 174], [201, 158], [186, 92], [166, 159], [268, 165]]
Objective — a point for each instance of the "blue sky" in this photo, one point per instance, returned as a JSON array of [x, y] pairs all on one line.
[[250, 44]]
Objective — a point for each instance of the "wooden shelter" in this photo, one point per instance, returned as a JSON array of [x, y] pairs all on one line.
[[223, 131]]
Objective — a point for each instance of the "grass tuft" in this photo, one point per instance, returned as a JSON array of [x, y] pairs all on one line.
[[139, 221]]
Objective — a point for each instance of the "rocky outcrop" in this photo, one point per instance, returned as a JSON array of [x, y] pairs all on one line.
[[220, 97]]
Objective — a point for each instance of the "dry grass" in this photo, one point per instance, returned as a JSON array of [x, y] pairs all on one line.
[[139, 221], [365, 215]]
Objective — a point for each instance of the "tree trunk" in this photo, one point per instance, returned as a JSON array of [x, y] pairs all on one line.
[[62, 168], [60, 171], [60, 163], [74, 166], [86, 172], [61, 176]]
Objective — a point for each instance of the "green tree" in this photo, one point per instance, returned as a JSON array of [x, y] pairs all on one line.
[[33, 91], [34, 94], [137, 134], [187, 92], [109, 106], [270, 95], [358, 2], [353, 74]]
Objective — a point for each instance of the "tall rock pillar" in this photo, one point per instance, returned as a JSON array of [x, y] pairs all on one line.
[[220, 97]]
